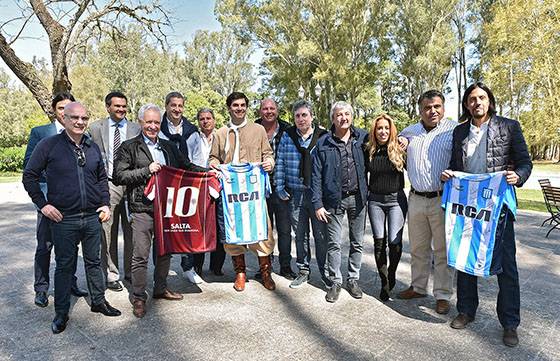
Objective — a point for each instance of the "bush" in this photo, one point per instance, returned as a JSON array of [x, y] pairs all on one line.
[[11, 159]]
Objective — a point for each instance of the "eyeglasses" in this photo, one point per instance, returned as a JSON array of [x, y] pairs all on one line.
[[81, 156]]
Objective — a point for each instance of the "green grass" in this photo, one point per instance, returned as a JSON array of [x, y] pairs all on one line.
[[546, 166], [9, 177], [531, 199]]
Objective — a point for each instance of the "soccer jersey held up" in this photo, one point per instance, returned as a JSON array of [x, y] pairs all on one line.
[[244, 191], [184, 210], [473, 204]]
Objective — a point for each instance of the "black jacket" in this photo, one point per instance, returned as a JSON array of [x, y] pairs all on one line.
[[71, 188], [131, 169], [505, 149], [326, 178]]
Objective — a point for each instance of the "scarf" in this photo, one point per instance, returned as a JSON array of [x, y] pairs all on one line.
[[235, 129], [180, 140], [305, 164]]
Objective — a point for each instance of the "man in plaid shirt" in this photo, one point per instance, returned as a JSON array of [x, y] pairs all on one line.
[[292, 176]]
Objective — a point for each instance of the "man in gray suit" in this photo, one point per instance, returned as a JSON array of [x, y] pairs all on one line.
[[108, 134]]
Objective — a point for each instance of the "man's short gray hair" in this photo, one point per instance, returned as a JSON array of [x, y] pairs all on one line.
[[341, 105], [204, 110], [144, 108], [302, 104]]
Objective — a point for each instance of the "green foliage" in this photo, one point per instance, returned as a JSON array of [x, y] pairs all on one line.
[[11, 159], [19, 112]]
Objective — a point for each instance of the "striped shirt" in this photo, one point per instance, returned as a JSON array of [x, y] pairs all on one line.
[[428, 154], [287, 175]]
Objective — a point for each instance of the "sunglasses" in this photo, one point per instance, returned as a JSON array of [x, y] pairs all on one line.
[[81, 156]]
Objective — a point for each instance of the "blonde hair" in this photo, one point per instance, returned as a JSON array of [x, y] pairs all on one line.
[[396, 154]]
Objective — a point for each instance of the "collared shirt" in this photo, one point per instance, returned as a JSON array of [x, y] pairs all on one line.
[[155, 150], [199, 148], [475, 161], [59, 127], [122, 130], [175, 129], [347, 165], [287, 175], [428, 154]]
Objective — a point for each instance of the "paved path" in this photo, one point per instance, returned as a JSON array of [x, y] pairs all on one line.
[[214, 322]]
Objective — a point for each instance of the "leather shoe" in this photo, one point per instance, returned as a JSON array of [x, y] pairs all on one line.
[[106, 309], [168, 295], [287, 273], [41, 299], [139, 308], [59, 323], [115, 286], [409, 293], [333, 293], [510, 337], [461, 321], [78, 292], [442, 307], [353, 289]]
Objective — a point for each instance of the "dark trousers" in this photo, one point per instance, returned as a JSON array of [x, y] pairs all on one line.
[[67, 234], [142, 239], [508, 281], [217, 257], [42, 262], [278, 212]]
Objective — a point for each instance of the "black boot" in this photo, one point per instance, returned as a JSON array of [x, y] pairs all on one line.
[[380, 253], [395, 251]]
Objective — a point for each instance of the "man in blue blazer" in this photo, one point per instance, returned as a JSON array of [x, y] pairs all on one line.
[[44, 239]]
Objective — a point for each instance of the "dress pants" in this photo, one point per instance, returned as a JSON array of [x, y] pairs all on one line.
[[278, 215], [508, 306], [67, 234], [262, 248], [426, 233], [110, 254], [143, 235]]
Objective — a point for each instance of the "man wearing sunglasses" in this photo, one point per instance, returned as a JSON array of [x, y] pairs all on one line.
[[76, 203]]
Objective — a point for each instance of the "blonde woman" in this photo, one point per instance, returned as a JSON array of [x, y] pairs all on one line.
[[387, 203]]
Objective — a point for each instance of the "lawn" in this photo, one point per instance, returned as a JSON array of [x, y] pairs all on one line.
[[530, 199], [546, 166], [9, 177]]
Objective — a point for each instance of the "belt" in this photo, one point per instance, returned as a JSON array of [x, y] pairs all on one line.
[[348, 194], [426, 194]]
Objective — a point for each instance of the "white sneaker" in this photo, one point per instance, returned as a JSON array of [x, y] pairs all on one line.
[[192, 277]]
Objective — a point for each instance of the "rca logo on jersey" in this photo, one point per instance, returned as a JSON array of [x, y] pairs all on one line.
[[471, 212], [243, 197], [176, 204]]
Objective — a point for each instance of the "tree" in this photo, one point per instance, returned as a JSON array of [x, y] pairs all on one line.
[[70, 25]]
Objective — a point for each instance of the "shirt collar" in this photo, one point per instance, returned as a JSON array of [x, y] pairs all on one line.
[[310, 134], [115, 124], [149, 142], [59, 127]]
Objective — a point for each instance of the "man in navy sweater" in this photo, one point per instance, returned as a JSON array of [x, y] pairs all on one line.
[[77, 200]]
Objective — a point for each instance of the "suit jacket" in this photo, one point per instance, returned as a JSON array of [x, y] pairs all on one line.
[[99, 132], [505, 148], [131, 169], [37, 134]]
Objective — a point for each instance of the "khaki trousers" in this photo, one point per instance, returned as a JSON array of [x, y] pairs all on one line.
[[262, 248], [426, 232]]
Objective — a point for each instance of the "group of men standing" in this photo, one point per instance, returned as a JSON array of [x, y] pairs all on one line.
[[318, 176]]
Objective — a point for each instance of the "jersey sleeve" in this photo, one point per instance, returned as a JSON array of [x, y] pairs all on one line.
[[214, 187], [446, 192], [150, 190], [267, 187]]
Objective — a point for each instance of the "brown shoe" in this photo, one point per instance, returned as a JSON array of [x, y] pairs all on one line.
[[409, 293], [442, 307], [240, 275], [168, 295], [461, 321], [139, 308], [266, 268]]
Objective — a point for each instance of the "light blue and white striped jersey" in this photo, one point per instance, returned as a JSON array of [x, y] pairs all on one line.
[[472, 204], [244, 190]]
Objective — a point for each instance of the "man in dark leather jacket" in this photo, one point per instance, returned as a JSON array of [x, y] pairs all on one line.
[[137, 159], [487, 143]]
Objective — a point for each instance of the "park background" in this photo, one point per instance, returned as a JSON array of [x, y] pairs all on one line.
[[378, 55]]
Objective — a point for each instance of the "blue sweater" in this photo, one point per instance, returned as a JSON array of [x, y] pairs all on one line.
[[71, 188]]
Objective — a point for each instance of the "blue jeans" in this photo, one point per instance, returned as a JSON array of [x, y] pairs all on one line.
[[388, 210], [356, 227], [278, 214], [508, 307], [67, 234], [302, 211]]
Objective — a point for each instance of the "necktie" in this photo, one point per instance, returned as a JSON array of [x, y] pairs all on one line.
[[116, 141]]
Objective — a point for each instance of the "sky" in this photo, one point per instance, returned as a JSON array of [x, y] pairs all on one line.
[[188, 16]]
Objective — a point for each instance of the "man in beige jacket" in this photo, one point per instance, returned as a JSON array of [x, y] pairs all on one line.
[[245, 142]]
